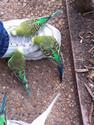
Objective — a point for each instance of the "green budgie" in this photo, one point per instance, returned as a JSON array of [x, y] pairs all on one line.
[[51, 49], [32, 26], [17, 64], [3, 111]]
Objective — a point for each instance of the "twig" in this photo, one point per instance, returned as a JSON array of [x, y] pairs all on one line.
[[91, 60], [86, 13], [92, 103], [91, 49], [90, 92], [91, 113], [89, 67], [80, 35], [81, 70]]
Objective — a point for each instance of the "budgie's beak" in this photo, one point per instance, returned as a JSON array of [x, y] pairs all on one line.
[[61, 71], [3, 111]]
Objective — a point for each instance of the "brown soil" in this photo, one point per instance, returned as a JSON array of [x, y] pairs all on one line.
[[82, 36], [42, 74]]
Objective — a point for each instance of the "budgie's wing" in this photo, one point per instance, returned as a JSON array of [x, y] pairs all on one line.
[[17, 61], [17, 64], [46, 43]]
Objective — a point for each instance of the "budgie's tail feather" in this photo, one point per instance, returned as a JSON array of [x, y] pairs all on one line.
[[61, 71], [24, 82], [3, 105], [56, 13], [27, 89], [44, 20]]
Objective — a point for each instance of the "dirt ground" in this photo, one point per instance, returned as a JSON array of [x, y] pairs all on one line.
[[42, 74], [82, 39]]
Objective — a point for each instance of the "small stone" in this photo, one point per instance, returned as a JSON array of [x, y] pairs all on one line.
[[72, 90], [37, 67], [4, 87], [3, 74], [34, 82], [91, 85], [91, 75], [1, 13], [69, 96], [24, 4], [70, 105]]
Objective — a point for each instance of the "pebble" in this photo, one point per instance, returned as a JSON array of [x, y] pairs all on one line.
[[34, 82], [69, 96], [4, 87], [24, 4], [3, 74], [1, 13], [37, 67], [91, 85], [72, 90]]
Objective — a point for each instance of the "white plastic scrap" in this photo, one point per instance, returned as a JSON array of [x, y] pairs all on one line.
[[40, 120]]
